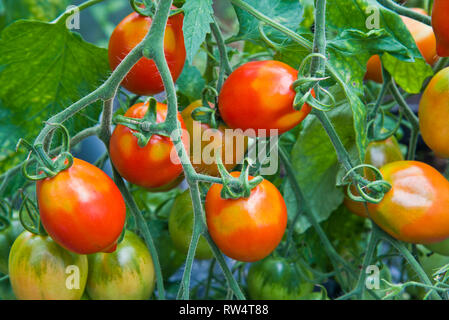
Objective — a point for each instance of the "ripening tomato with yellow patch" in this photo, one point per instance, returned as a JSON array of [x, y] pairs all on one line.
[[378, 154], [82, 209], [425, 41], [156, 166], [434, 114], [247, 229], [259, 95], [144, 78], [206, 141], [415, 210]]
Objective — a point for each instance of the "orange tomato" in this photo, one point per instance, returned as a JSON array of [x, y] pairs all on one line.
[[150, 167], [247, 229], [425, 41], [259, 96], [81, 208], [415, 210], [440, 26], [144, 78], [233, 146], [378, 154], [434, 114]]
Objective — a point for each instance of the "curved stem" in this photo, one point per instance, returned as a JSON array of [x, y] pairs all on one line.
[[81, 7], [404, 11]]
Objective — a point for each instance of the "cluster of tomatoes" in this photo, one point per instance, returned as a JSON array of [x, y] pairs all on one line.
[[415, 209], [85, 216]]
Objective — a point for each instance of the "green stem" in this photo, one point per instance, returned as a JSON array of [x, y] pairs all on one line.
[[327, 245], [411, 117], [404, 11], [81, 7], [225, 66]]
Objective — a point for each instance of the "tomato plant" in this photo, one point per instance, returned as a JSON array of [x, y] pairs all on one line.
[[126, 274], [180, 227], [247, 229], [100, 133], [38, 269], [144, 78], [138, 164], [88, 201]]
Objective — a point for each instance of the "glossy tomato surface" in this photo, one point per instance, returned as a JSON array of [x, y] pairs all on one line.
[[152, 166], [259, 95], [434, 114], [81, 208], [180, 227], [126, 274], [275, 278], [206, 141], [440, 26], [378, 154], [415, 209], [144, 78], [247, 229], [425, 41], [40, 269]]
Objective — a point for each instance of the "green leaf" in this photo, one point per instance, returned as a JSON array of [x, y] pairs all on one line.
[[289, 13], [316, 166], [355, 14], [190, 83], [42, 10], [44, 69], [197, 19]]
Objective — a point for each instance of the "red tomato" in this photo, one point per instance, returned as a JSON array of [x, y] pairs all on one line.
[[144, 78], [259, 95], [81, 208], [247, 229], [150, 167], [440, 26], [415, 209]]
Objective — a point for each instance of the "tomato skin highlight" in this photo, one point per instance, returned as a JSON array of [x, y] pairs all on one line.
[[277, 279], [440, 13], [81, 208], [230, 156], [425, 41], [126, 274], [38, 269], [144, 78], [415, 209], [378, 154], [259, 95], [247, 229], [149, 167], [180, 227], [434, 114]]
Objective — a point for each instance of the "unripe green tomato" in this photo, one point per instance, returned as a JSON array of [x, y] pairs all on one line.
[[7, 238], [170, 258], [39, 269], [125, 274], [441, 248], [6, 292], [277, 279], [180, 226]]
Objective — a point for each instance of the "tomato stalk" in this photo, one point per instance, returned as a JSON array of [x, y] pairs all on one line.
[[403, 11]]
